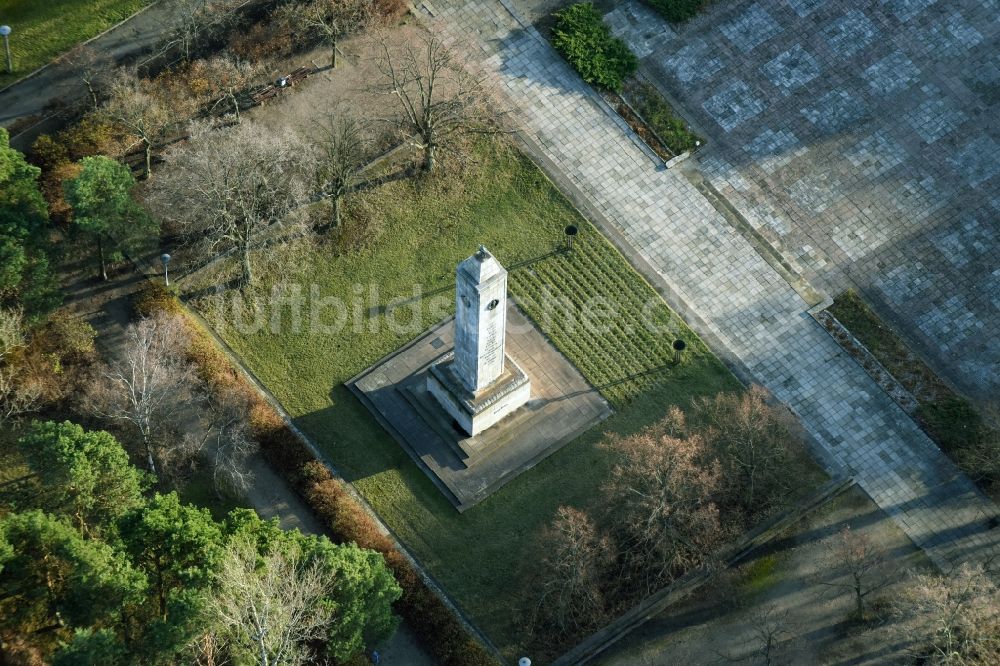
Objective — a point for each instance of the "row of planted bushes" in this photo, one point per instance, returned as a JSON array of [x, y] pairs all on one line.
[[586, 42], [677, 11], [439, 629]]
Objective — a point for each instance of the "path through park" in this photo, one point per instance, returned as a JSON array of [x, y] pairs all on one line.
[[712, 274]]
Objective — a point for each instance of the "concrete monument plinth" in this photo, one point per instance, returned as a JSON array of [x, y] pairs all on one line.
[[475, 411], [469, 414]]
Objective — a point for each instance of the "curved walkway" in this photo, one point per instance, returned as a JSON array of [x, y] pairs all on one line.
[[663, 223]]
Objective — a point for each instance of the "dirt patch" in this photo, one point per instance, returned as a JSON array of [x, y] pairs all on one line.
[[812, 620]]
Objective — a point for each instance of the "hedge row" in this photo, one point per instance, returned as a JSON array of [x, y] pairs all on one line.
[[677, 11], [586, 42], [440, 631]]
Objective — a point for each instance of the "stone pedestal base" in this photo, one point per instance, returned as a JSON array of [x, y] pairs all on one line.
[[476, 411]]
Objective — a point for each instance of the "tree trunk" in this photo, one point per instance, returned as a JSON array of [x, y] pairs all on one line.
[[336, 211], [430, 157], [247, 276], [333, 53], [149, 458], [236, 105], [149, 159], [860, 601], [100, 255]]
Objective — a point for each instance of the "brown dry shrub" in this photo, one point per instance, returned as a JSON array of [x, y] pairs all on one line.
[[266, 40], [390, 10]]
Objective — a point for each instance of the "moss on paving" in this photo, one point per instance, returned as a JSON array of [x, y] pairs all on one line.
[[505, 202], [44, 29]]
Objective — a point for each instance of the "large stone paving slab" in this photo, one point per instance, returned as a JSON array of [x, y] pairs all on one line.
[[562, 406], [689, 251], [872, 130]]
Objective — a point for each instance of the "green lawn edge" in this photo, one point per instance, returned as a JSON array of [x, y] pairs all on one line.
[[42, 30]]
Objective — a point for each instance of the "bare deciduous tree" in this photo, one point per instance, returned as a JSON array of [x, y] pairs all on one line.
[[575, 561], [342, 151], [189, 22], [228, 185], [865, 563], [437, 98], [753, 440], [335, 19], [233, 444], [149, 384], [94, 69], [269, 609], [661, 495], [134, 104], [229, 76], [955, 618]]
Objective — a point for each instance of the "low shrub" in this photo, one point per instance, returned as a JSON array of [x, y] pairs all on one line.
[[586, 42], [272, 38], [677, 11], [655, 110], [953, 422], [432, 620]]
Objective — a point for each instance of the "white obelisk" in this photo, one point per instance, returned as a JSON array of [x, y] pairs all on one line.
[[480, 320], [477, 384]]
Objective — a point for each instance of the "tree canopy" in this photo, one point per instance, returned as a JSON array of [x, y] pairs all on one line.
[[92, 570], [103, 207], [84, 475], [24, 266]]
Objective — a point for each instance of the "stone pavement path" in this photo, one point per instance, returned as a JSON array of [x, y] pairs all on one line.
[[744, 304], [862, 140]]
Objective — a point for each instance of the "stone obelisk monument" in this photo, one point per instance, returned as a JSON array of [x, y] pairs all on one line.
[[478, 384]]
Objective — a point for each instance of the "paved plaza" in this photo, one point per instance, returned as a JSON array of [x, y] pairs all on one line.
[[562, 407], [862, 140], [737, 300]]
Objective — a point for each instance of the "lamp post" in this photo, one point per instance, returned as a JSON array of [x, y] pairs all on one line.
[[523, 661], [571, 232], [165, 258], [5, 32], [679, 346]]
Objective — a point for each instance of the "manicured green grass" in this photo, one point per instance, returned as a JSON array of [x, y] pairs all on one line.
[[505, 202], [43, 29]]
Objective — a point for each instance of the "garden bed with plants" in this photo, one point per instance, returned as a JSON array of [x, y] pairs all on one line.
[[606, 62], [947, 418], [668, 127]]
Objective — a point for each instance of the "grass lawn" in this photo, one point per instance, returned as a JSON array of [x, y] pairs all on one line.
[[43, 29], [505, 202]]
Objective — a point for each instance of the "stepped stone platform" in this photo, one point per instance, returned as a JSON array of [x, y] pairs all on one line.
[[467, 469]]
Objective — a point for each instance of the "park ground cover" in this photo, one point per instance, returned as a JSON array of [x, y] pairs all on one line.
[[43, 29], [428, 225]]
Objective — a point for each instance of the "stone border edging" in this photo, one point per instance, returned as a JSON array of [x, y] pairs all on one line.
[[659, 601], [860, 353]]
